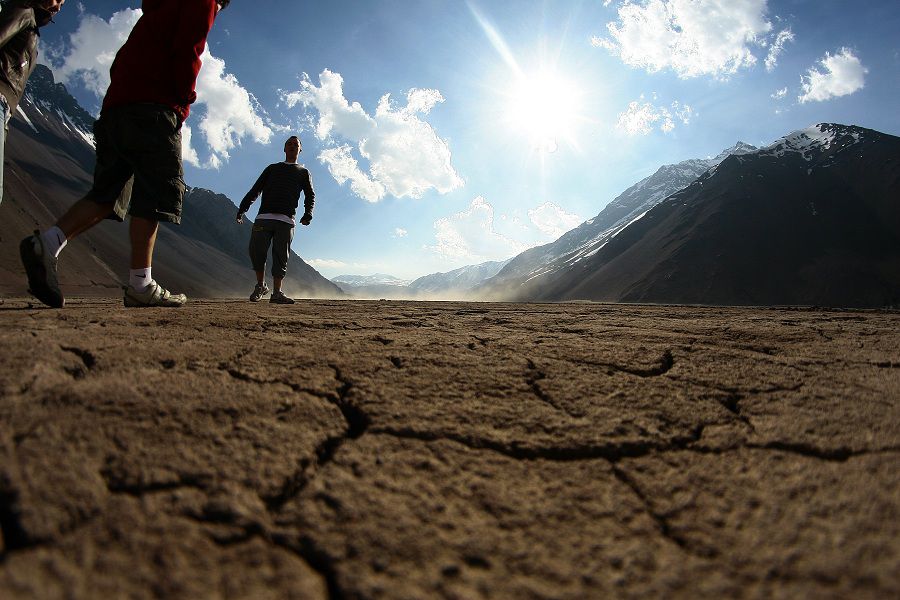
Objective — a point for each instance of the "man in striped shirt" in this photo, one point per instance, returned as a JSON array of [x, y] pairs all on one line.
[[280, 185]]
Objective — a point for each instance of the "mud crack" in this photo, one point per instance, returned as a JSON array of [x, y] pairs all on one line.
[[732, 403], [830, 454], [533, 379], [612, 452], [661, 520], [318, 559], [662, 366], [357, 424], [887, 364], [14, 535], [89, 361]]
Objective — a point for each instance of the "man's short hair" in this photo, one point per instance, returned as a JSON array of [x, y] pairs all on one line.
[[293, 137]]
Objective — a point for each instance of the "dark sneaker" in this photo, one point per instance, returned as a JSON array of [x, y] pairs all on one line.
[[155, 295], [259, 291], [279, 298], [40, 267]]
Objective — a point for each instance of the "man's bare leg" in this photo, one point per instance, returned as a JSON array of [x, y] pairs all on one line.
[[143, 239], [260, 277], [81, 216], [142, 290], [276, 283]]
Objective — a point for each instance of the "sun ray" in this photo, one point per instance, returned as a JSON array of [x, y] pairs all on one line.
[[540, 103], [495, 38]]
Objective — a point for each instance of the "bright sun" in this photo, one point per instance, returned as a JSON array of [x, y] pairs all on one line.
[[545, 107]]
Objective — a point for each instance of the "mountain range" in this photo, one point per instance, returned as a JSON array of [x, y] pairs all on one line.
[[49, 162], [540, 263], [810, 219], [457, 284], [813, 219]]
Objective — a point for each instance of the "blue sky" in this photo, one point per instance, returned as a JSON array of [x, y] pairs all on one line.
[[441, 133]]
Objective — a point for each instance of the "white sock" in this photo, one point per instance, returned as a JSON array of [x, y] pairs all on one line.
[[139, 279], [54, 240]]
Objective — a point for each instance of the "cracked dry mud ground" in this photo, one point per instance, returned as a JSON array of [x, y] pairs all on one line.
[[448, 450]]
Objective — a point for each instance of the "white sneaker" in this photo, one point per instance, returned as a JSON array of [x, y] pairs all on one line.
[[278, 297], [259, 291], [154, 295]]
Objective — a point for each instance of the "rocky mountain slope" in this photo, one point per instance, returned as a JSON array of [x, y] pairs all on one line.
[[49, 162], [457, 283], [813, 219], [538, 264]]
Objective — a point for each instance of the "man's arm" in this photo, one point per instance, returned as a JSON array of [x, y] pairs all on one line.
[[253, 194], [309, 200], [193, 27]]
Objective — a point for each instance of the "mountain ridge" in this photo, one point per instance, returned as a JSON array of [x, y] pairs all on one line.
[[812, 219], [589, 236]]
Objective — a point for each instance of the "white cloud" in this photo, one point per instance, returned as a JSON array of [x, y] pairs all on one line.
[[232, 113], [405, 156], [92, 48], [229, 112], [691, 37], [336, 114], [399, 232], [470, 235], [641, 117], [780, 94], [343, 167], [683, 112], [777, 48], [844, 74], [188, 154], [552, 220]]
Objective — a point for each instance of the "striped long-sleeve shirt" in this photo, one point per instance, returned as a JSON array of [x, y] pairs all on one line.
[[280, 185]]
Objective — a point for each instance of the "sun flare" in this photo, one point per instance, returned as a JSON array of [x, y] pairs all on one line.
[[545, 106]]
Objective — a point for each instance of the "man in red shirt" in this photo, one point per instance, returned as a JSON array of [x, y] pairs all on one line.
[[138, 138]]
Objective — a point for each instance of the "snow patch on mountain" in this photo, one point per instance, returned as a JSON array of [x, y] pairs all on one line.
[[22, 114], [810, 141], [639, 199]]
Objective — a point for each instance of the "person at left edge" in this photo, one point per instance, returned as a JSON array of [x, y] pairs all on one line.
[[20, 28]]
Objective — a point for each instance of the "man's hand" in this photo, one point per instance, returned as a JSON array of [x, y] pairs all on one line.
[[306, 219], [240, 218]]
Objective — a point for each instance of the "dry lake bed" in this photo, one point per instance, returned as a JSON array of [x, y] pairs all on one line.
[[348, 449]]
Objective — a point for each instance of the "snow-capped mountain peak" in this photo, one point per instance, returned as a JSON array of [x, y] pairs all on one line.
[[45, 98], [820, 137], [738, 149]]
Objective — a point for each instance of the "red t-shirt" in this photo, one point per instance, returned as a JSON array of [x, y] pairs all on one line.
[[161, 59]]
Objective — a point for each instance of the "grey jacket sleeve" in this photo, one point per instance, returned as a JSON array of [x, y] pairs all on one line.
[[14, 19]]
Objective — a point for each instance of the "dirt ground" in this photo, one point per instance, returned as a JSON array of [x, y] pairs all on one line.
[[347, 449]]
